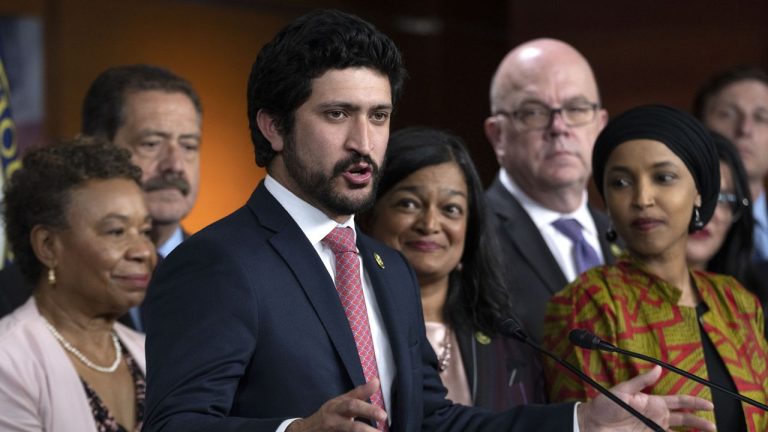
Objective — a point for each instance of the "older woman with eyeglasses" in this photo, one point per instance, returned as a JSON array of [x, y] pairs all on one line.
[[724, 245]]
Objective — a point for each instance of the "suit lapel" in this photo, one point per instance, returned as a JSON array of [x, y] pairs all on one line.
[[469, 355], [526, 237], [383, 285], [300, 256]]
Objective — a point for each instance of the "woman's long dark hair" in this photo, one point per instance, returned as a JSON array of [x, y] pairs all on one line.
[[476, 294], [735, 255]]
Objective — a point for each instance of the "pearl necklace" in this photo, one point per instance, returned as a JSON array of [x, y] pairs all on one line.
[[80, 356]]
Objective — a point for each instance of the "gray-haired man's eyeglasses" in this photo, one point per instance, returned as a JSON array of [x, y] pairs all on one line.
[[534, 116]]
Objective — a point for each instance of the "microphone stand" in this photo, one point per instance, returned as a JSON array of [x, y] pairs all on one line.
[[511, 328], [590, 341]]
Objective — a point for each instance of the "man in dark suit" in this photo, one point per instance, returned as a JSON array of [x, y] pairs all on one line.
[[266, 321], [156, 115], [545, 117]]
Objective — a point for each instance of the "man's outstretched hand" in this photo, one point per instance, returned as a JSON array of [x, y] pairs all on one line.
[[602, 414]]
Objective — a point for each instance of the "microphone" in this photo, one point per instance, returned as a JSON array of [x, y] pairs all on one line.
[[511, 327], [588, 340]]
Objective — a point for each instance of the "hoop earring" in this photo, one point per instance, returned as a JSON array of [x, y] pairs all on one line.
[[610, 233], [697, 223], [51, 276]]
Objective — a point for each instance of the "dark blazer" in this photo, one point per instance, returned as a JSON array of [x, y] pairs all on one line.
[[756, 282], [533, 272], [501, 374], [14, 289], [246, 330]]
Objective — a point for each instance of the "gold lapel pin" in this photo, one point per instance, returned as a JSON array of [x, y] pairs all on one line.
[[482, 338], [378, 259]]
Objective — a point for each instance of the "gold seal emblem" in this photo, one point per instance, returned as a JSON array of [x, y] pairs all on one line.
[[378, 259], [482, 338]]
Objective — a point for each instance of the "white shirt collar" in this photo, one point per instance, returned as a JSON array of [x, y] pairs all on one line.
[[542, 216], [174, 240], [313, 223]]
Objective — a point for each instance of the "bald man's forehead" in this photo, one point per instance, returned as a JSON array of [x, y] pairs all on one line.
[[553, 75]]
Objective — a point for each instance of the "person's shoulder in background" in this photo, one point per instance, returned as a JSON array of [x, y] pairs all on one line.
[[14, 289]]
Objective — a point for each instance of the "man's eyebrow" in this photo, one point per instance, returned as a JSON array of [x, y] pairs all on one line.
[[154, 132], [167, 135], [351, 106], [339, 104]]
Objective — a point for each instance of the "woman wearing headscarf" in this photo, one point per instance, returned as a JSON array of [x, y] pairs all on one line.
[[79, 229], [658, 172]]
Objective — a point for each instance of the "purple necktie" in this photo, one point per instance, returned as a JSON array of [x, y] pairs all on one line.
[[584, 255]]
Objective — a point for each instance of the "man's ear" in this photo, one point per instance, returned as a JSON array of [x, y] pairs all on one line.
[[493, 133], [602, 115], [44, 242], [268, 127]]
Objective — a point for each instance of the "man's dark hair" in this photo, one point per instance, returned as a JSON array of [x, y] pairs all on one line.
[[281, 77], [38, 193], [722, 80], [103, 104]]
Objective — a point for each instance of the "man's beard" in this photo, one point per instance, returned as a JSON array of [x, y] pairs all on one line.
[[320, 187]]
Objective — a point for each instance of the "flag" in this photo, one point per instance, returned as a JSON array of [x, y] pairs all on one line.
[[9, 152]]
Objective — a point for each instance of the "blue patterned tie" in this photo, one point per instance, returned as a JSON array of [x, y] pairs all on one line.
[[584, 255]]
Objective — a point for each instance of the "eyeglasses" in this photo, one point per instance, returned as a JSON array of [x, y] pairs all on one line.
[[534, 116], [732, 203]]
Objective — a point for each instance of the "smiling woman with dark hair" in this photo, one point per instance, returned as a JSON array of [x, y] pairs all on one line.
[[430, 206], [724, 245], [658, 171], [79, 229]]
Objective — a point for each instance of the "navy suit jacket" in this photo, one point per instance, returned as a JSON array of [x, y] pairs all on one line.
[[246, 330], [533, 272]]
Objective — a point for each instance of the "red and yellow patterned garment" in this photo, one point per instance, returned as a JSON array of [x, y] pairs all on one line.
[[637, 311]]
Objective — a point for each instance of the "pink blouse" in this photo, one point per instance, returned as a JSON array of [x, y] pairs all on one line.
[[454, 377]]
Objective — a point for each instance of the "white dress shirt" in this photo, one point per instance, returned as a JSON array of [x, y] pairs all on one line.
[[174, 240], [316, 225], [559, 244]]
